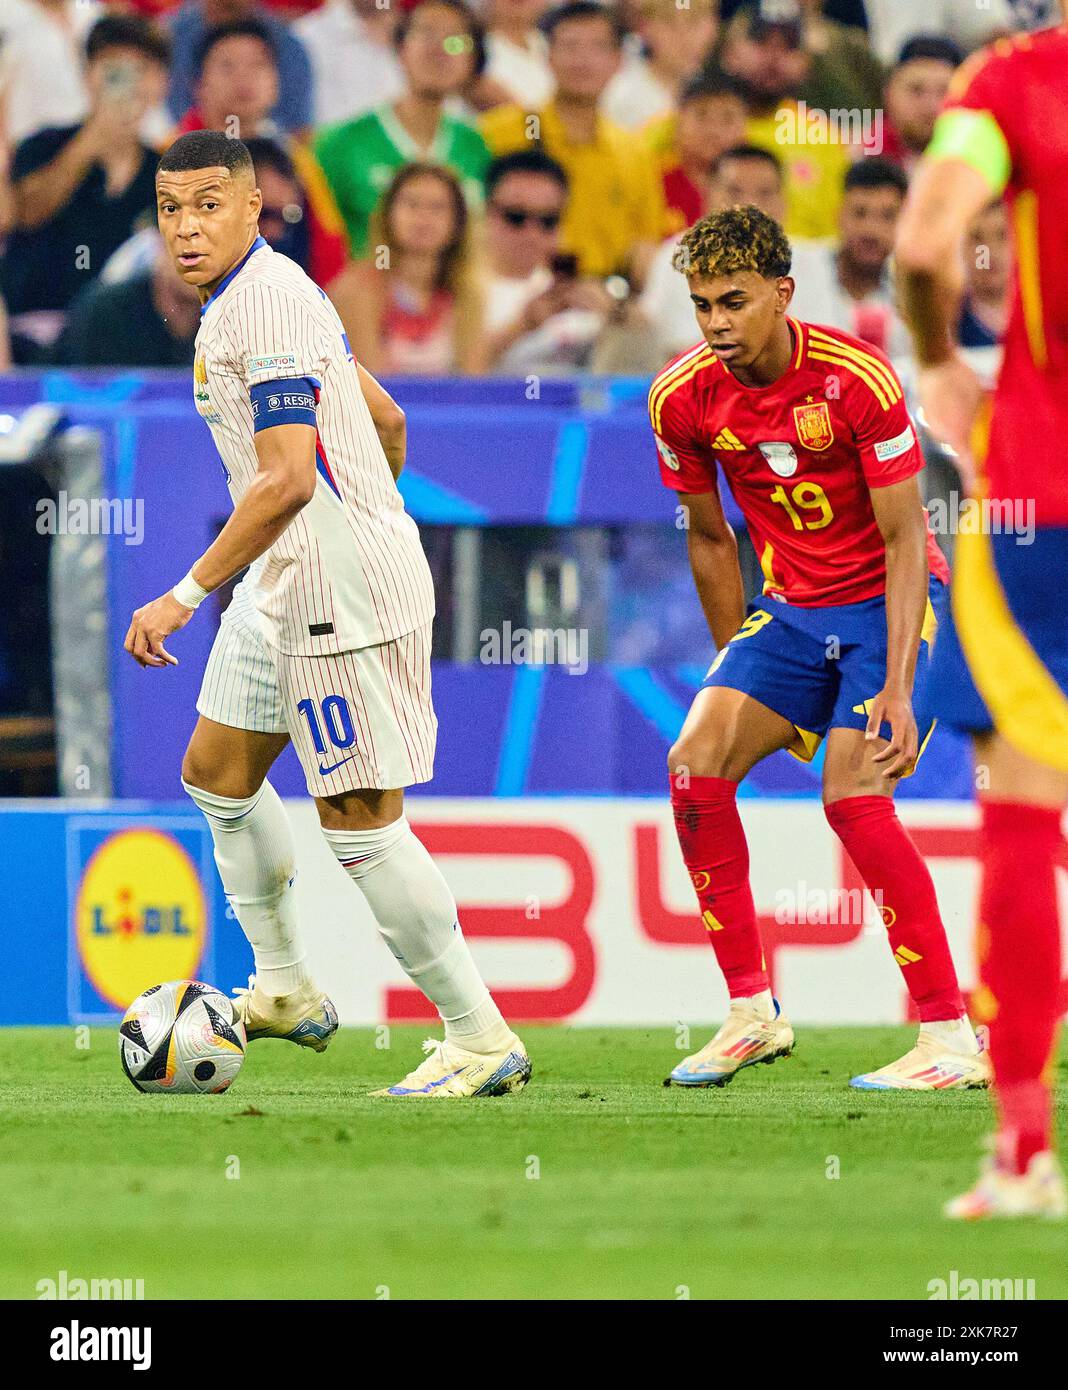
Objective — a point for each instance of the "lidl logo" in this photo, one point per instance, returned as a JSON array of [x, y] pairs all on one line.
[[139, 913]]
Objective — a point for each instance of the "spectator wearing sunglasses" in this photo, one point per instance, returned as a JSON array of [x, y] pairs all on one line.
[[541, 316]]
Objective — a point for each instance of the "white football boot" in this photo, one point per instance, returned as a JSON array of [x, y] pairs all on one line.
[[745, 1039], [449, 1072], [932, 1065], [1038, 1192], [305, 1017]]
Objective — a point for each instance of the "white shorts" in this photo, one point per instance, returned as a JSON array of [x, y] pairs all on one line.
[[362, 719]]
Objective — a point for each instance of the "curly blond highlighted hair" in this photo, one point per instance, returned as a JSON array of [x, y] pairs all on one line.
[[732, 240]]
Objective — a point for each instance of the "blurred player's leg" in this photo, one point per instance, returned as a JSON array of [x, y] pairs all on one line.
[[726, 734], [860, 809], [225, 772], [1019, 947], [416, 915]]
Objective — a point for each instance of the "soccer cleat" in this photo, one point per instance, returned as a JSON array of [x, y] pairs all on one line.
[[1038, 1192], [305, 1017], [744, 1039], [449, 1072], [930, 1066]]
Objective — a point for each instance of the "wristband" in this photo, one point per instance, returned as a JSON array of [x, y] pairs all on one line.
[[189, 593]]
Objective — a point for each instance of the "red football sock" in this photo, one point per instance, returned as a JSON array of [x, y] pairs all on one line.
[[1019, 945], [898, 879], [714, 849]]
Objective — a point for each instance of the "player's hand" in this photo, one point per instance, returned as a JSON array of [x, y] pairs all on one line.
[[150, 625], [950, 396], [900, 754]]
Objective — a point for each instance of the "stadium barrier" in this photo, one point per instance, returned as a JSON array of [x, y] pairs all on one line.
[[578, 910]]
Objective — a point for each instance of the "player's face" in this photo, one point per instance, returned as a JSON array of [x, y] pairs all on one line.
[[207, 218], [739, 314]]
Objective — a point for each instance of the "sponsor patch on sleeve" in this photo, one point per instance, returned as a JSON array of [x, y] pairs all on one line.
[[668, 455], [890, 448], [280, 362]]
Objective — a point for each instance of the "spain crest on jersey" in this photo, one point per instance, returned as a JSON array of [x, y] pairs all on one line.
[[814, 428]]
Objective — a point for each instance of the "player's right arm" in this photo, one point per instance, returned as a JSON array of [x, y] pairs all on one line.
[[284, 484], [713, 554], [689, 468], [389, 421]]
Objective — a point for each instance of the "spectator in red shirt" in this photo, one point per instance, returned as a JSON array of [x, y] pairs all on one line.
[[236, 88], [915, 91], [711, 120]]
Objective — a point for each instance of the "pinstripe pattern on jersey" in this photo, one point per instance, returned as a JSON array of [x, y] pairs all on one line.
[[351, 563], [248, 685]]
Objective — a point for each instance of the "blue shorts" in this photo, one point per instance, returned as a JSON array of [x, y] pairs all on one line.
[[1001, 658], [820, 668]]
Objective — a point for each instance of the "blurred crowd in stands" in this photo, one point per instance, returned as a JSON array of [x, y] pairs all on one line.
[[482, 186]]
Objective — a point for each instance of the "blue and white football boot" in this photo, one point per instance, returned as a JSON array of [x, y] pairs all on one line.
[[449, 1072]]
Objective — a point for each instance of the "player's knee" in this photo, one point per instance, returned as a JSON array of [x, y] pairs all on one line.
[[706, 754], [205, 775]]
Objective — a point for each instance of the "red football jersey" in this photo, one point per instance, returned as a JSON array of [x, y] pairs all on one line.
[[799, 456], [1023, 83]]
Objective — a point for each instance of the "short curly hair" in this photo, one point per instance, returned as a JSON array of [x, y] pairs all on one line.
[[731, 240]]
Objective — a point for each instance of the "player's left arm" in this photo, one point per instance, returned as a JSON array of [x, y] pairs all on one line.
[[967, 165], [389, 421], [899, 515], [284, 484]]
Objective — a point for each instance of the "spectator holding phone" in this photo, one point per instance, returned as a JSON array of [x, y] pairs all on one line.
[[541, 315], [79, 191]]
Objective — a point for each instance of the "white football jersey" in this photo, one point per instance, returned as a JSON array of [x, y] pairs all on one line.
[[349, 571]]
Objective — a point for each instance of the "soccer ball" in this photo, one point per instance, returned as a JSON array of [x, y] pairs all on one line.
[[182, 1037]]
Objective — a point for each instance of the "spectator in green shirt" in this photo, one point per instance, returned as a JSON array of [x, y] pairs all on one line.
[[441, 50]]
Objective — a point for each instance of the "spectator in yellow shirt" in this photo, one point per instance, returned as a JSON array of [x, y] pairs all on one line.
[[616, 213], [764, 50]]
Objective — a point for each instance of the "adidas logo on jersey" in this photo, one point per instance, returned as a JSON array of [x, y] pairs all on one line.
[[728, 440]]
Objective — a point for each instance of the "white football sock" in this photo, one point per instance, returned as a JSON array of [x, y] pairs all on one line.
[[416, 915], [256, 858], [762, 1004], [957, 1034]]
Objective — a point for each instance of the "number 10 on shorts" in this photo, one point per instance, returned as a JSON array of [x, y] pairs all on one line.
[[335, 719]]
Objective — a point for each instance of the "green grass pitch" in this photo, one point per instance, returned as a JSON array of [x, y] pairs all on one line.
[[594, 1182]]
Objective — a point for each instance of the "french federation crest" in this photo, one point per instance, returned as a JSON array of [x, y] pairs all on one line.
[[782, 460], [814, 426]]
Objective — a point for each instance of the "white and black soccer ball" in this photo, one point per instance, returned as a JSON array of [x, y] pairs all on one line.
[[181, 1038]]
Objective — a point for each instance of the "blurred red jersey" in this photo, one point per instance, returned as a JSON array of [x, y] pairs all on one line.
[[799, 457], [1023, 83]]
